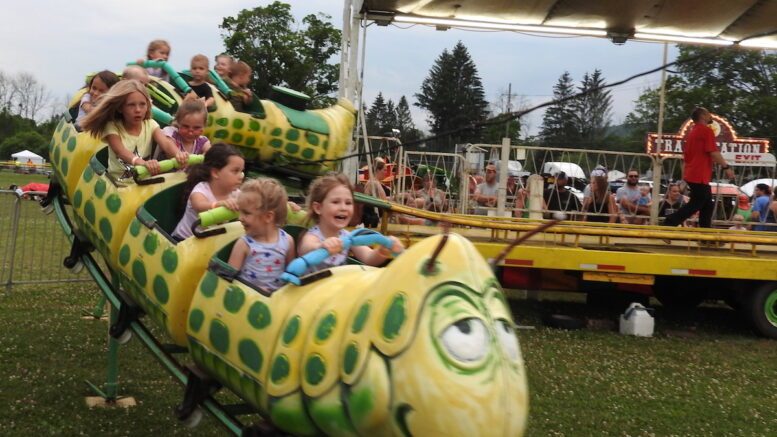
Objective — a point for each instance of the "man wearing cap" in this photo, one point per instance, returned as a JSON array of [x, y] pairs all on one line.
[[485, 193], [558, 198], [700, 153]]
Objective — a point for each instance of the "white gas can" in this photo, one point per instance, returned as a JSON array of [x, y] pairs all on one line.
[[637, 321]]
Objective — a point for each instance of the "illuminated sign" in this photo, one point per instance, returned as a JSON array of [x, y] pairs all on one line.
[[725, 136]]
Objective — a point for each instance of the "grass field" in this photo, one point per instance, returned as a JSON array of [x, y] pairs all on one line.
[[704, 373], [8, 177]]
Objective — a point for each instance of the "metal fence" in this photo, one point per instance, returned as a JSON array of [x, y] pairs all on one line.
[[32, 245]]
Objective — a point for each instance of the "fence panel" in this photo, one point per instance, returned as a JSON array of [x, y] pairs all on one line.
[[32, 245]]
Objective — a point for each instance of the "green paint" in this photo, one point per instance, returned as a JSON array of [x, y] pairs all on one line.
[[292, 148], [330, 417], [170, 260], [292, 328], [78, 198], [99, 188], [234, 299], [88, 173], [280, 369], [124, 254], [89, 212], [395, 318], [259, 315], [350, 358], [150, 243], [308, 153], [57, 154], [219, 336], [276, 132], [361, 318], [275, 142], [196, 318], [64, 165], [71, 144], [312, 138], [770, 307], [134, 227], [223, 122], [292, 135], [250, 141], [325, 327], [250, 354], [139, 272], [221, 134], [254, 125], [360, 404], [237, 123], [113, 203], [315, 369], [325, 145], [237, 137], [65, 135], [106, 229], [161, 291], [208, 285], [288, 414]]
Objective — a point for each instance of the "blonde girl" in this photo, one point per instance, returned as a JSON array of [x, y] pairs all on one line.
[[223, 64], [213, 183], [98, 85], [158, 50], [262, 253], [187, 128], [330, 205], [123, 120]]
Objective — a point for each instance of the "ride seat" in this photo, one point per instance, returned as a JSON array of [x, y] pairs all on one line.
[[165, 208]]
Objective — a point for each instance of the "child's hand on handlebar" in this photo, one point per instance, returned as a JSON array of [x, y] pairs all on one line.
[[333, 245], [182, 157], [152, 165]]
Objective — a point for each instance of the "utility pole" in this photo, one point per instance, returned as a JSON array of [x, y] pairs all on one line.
[[509, 108]]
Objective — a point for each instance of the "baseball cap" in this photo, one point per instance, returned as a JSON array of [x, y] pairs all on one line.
[[599, 170]]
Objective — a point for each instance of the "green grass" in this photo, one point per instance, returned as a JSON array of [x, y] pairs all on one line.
[[702, 374], [8, 177]]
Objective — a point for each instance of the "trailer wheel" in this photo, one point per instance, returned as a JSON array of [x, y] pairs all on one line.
[[760, 307]]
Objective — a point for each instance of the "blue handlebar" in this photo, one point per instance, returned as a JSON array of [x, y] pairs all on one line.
[[358, 237]]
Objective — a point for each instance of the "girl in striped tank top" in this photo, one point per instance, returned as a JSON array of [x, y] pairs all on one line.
[[330, 205], [262, 253]]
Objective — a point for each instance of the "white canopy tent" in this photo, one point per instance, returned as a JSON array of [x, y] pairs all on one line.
[[26, 156]]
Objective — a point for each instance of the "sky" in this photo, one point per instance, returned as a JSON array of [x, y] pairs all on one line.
[[60, 42]]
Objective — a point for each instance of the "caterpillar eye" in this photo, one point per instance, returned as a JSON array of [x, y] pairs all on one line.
[[506, 335], [466, 340]]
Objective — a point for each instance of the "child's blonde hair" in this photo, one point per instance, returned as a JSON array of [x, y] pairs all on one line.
[[271, 197], [321, 187], [155, 45], [190, 106], [200, 59], [110, 105], [135, 72]]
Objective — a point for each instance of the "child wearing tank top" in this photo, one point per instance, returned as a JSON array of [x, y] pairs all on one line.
[[262, 253]]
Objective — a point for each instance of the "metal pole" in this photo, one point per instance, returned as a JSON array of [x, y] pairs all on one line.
[[657, 160], [14, 235], [501, 193]]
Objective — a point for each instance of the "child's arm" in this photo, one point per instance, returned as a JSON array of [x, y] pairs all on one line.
[[247, 95], [209, 101], [310, 243], [168, 146], [114, 142], [292, 253], [206, 146], [87, 104], [238, 255], [374, 257]]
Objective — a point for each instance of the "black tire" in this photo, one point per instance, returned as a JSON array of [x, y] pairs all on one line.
[[561, 321], [760, 309]]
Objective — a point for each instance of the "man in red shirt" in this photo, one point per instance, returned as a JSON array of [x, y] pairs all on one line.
[[699, 154]]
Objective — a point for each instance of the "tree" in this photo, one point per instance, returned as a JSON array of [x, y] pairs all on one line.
[[558, 123], [453, 96], [593, 110], [376, 116], [405, 124], [739, 84], [265, 38], [30, 140]]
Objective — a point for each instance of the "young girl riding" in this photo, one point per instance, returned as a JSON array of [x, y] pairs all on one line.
[[187, 128], [199, 82], [99, 84], [330, 205], [262, 253], [123, 120], [213, 183]]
